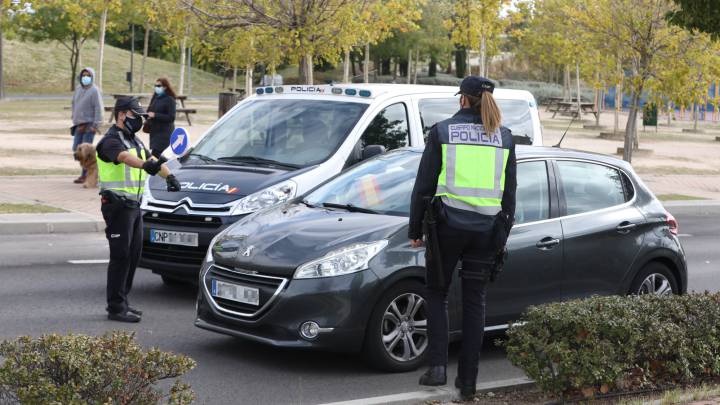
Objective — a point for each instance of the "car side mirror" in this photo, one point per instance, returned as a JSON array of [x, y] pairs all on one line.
[[372, 150]]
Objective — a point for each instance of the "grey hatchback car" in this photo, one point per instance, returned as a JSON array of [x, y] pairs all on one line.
[[334, 269]]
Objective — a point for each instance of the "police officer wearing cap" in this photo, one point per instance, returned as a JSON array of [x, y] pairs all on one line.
[[468, 170], [123, 165]]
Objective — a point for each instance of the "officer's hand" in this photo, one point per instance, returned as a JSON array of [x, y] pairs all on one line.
[[152, 166], [416, 243], [172, 183]]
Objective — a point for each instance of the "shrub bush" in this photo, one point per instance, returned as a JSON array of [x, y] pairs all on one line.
[[80, 369], [617, 343]]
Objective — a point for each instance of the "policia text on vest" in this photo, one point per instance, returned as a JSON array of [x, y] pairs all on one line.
[[123, 166], [468, 170]]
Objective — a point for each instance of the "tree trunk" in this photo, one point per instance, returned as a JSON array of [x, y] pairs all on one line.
[[695, 116], [366, 64], [669, 112], [409, 65], [308, 69], [395, 69], [468, 64], [183, 47], [346, 66], [432, 67], [577, 83], [146, 45], [74, 61], [101, 48], [483, 55], [234, 80], [416, 65], [248, 79], [460, 62], [630, 127], [2, 80]]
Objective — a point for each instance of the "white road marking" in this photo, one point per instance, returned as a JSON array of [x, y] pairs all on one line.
[[433, 393], [90, 261]]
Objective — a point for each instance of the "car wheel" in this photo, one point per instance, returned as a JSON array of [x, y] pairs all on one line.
[[654, 278], [396, 338], [171, 282]]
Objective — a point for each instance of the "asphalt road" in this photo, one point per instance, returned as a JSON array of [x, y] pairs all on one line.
[[40, 292]]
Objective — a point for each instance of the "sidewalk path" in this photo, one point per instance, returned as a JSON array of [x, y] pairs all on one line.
[[55, 191]]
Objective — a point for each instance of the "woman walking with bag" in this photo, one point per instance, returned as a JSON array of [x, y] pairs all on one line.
[[161, 115]]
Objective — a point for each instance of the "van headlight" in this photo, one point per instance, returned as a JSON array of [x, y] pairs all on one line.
[[273, 195], [346, 260]]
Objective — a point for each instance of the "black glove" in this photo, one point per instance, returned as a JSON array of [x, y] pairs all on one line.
[[151, 166], [172, 183]]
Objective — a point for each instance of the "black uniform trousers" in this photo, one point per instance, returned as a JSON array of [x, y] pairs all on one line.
[[124, 234], [475, 251]]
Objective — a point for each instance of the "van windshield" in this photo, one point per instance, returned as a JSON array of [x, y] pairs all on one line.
[[290, 133], [515, 113]]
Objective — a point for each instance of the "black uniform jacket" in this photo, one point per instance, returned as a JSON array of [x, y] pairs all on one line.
[[163, 123], [427, 178]]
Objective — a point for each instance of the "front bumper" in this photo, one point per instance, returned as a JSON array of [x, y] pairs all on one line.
[[182, 262], [341, 305]]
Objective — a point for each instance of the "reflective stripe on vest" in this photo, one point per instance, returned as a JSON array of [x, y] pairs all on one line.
[[473, 177], [120, 178]]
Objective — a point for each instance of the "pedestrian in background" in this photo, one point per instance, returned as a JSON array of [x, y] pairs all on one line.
[[466, 182], [161, 115], [87, 111]]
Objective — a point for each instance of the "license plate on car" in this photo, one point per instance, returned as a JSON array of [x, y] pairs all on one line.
[[173, 237], [235, 292]]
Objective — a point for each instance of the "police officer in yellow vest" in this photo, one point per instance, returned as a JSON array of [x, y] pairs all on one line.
[[123, 165], [468, 169]]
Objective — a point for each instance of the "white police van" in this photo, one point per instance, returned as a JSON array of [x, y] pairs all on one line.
[[285, 140]]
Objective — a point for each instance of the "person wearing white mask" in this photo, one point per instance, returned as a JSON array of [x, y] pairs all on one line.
[[161, 115], [87, 111]]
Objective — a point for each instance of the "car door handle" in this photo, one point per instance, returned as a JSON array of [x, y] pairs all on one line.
[[625, 227], [547, 243]]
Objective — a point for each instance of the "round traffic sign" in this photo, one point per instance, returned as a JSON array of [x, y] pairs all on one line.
[[179, 141]]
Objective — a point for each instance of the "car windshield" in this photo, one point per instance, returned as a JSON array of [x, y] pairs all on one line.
[[292, 133], [515, 113], [382, 185]]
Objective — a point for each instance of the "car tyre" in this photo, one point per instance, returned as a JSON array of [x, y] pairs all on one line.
[[396, 335], [654, 278]]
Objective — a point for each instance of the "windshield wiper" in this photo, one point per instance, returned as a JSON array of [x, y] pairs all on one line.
[[307, 203], [202, 157], [349, 207], [255, 159]]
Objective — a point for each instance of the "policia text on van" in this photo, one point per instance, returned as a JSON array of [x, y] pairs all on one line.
[[284, 141]]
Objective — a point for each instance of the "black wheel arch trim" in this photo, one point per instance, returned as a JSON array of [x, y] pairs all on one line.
[[662, 255]]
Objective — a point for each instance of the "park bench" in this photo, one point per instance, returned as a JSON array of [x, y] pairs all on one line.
[[570, 108], [141, 96], [186, 111]]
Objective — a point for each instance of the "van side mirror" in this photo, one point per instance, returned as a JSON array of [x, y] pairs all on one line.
[[372, 150]]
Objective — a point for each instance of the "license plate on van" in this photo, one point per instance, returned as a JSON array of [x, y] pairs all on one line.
[[173, 238], [235, 292]]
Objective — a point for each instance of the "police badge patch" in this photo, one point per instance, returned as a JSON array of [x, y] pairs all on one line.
[[474, 134]]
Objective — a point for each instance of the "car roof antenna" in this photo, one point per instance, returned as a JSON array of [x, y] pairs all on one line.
[[566, 129]]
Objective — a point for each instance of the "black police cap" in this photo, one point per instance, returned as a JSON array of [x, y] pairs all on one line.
[[475, 85], [129, 104]]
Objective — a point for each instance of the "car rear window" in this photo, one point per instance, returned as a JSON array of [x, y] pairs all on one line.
[[590, 186]]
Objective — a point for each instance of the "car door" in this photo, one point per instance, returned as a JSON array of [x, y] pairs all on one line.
[[533, 270], [600, 225]]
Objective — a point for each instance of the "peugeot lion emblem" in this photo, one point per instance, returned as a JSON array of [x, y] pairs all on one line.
[[248, 251]]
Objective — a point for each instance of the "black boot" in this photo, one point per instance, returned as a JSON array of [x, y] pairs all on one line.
[[467, 391], [434, 376]]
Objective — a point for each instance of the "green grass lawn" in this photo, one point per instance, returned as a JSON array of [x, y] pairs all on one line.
[[7, 208], [44, 68], [22, 171]]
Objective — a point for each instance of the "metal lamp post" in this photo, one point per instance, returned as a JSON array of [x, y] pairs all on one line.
[[15, 9]]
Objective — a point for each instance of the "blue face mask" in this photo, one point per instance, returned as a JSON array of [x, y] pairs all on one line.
[[159, 91], [86, 80]]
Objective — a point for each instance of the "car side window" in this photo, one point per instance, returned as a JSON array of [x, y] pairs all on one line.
[[434, 110], [389, 128], [589, 186], [533, 194]]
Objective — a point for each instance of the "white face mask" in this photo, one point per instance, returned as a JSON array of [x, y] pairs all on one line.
[[86, 80]]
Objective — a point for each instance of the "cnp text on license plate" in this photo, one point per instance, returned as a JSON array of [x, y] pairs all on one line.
[[234, 292], [173, 237]]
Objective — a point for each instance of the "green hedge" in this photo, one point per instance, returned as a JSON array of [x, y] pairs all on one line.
[[618, 343], [80, 369]]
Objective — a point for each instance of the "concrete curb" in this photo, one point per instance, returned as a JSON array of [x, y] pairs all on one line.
[[447, 393], [26, 224]]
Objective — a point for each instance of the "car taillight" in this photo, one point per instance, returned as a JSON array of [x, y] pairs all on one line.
[[672, 223]]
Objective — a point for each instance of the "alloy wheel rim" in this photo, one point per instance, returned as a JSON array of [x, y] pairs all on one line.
[[404, 328], [655, 284]]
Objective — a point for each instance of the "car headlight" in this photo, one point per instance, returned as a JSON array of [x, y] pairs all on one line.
[[209, 256], [346, 260], [268, 197]]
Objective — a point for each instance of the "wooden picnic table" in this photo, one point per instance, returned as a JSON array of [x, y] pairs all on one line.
[[570, 107], [552, 102], [142, 96]]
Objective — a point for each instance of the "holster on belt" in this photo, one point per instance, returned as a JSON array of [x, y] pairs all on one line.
[[435, 277], [501, 231], [116, 201]]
